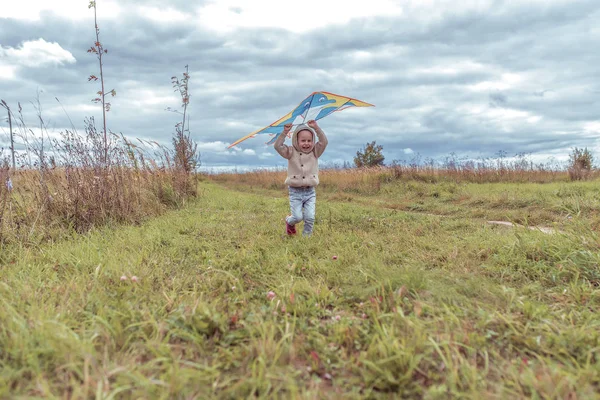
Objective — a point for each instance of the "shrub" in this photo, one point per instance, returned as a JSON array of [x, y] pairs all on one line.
[[370, 156], [580, 164]]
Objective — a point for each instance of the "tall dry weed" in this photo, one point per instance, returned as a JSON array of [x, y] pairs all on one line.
[[79, 181], [5, 187], [69, 184]]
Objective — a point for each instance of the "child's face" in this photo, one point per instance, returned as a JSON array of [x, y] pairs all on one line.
[[305, 140]]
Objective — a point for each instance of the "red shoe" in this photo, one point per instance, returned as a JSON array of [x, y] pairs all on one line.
[[289, 229]]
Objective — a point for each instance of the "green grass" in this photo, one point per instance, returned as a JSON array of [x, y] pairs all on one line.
[[424, 300]]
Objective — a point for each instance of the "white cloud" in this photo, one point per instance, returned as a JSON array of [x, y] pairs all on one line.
[[225, 15], [37, 53], [164, 15], [220, 87], [592, 127], [31, 10], [154, 97], [217, 146], [506, 114], [506, 81], [85, 108], [456, 68], [221, 148], [7, 71], [408, 150]]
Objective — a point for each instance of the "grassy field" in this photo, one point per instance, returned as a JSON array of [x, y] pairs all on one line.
[[404, 290]]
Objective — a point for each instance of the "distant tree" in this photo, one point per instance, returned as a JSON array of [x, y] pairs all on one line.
[[370, 156], [580, 164]]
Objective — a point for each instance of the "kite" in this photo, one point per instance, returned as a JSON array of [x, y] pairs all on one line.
[[316, 106]]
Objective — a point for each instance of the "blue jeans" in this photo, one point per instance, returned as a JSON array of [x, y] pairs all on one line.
[[302, 205]]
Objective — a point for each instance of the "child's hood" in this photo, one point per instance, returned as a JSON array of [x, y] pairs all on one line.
[[303, 127]]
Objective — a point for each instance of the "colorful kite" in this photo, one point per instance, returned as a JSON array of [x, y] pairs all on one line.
[[316, 106]]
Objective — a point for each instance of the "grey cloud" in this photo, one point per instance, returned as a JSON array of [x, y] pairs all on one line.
[[498, 99], [242, 81]]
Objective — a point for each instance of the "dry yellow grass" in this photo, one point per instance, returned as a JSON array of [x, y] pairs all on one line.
[[367, 180]]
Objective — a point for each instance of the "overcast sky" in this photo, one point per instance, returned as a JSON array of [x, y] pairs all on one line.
[[473, 78]]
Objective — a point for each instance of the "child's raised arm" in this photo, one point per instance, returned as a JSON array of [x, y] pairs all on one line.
[[322, 143], [280, 147]]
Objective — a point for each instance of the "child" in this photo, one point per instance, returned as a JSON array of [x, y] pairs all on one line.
[[303, 173]]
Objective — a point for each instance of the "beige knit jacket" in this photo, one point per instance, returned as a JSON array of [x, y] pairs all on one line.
[[303, 168]]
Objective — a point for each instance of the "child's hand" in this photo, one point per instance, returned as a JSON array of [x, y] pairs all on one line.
[[287, 128], [313, 124]]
